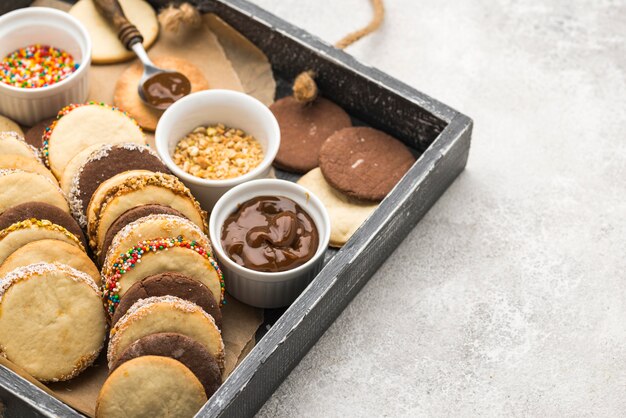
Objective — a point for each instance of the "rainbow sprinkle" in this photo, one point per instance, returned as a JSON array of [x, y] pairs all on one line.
[[36, 66], [128, 260]]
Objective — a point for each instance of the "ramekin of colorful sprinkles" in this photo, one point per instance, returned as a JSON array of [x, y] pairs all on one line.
[[45, 55], [128, 260]]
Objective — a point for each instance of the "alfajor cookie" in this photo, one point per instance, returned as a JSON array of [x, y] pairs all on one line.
[[148, 258], [165, 314], [7, 125], [364, 163], [135, 188], [100, 165], [21, 233], [174, 284], [346, 214], [106, 47], [150, 386], [41, 211], [32, 165], [179, 347], [19, 186], [131, 215], [303, 129], [79, 126], [49, 251], [152, 227], [14, 143], [52, 323], [34, 136], [126, 88]]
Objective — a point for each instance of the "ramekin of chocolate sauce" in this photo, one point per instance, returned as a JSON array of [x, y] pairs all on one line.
[[270, 237]]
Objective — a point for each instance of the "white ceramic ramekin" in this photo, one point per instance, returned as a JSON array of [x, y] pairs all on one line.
[[209, 107], [46, 26], [262, 289]]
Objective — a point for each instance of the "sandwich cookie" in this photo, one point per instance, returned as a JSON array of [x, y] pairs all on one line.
[[34, 136], [165, 314], [7, 125], [148, 258], [19, 186], [131, 215], [41, 211], [32, 165], [78, 126], [52, 323], [135, 188], [364, 163], [178, 347], [21, 233], [174, 284], [103, 163], [49, 251], [150, 386], [152, 227], [13, 143], [303, 129]]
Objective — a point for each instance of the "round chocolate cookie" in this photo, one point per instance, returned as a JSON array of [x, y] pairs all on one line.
[[364, 163], [174, 284], [34, 135], [179, 347], [106, 163], [131, 215], [303, 130], [42, 211]]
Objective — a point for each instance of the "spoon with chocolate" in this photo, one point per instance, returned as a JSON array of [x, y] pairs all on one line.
[[158, 87]]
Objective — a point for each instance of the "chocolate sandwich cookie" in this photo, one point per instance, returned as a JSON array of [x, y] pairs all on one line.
[[104, 163], [179, 347], [40, 210], [174, 284], [131, 215], [303, 129], [364, 163], [35, 134]]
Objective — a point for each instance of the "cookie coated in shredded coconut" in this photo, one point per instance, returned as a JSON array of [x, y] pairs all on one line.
[[9, 171], [18, 137]]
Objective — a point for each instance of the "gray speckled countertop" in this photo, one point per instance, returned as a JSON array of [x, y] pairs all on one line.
[[509, 298]]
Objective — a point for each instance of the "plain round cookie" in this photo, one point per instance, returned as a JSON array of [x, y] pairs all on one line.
[[79, 126], [34, 135], [135, 188], [131, 215], [364, 163], [50, 251], [52, 323], [104, 163], [165, 314], [18, 186], [150, 386], [106, 47], [174, 284], [152, 227], [126, 96], [346, 214], [14, 162], [13, 143], [7, 125], [179, 347], [303, 130], [30, 230], [42, 211]]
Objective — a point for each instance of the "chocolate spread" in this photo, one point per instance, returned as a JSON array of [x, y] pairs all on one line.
[[271, 234], [163, 89]]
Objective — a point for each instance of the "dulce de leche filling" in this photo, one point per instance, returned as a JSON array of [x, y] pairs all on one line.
[[270, 234]]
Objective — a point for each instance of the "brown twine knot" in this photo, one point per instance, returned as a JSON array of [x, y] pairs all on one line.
[[172, 18], [304, 87]]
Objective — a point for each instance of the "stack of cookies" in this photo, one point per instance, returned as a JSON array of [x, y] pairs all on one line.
[[52, 323]]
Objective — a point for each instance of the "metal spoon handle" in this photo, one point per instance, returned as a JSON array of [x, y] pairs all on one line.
[[113, 13]]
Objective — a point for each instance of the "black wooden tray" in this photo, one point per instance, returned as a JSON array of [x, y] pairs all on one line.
[[439, 134]]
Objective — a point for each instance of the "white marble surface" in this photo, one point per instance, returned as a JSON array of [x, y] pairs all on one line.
[[509, 298]]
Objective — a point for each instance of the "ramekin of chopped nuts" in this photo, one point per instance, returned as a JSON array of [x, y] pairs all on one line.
[[214, 140]]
